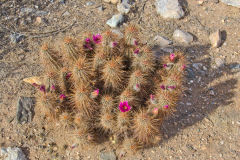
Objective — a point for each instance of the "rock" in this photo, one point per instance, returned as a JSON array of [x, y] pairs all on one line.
[[161, 41], [123, 8], [62, 1], [191, 73], [107, 156], [235, 3], [197, 65], [12, 153], [219, 62], [114, 1], [211, 92], [100, 8], [25, 106], [167, 50], [115, 20], [66, 13], [38, 20], [90, 3], [169, 9], [234, 66], [111, 1], [215, 39], [27, 10], [16, 37], [182, 36]]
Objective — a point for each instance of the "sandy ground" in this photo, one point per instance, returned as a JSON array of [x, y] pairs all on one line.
[[204, 127]]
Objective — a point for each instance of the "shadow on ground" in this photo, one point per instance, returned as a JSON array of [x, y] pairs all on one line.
[[203, 96]]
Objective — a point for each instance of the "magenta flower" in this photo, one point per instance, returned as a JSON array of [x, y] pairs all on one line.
[[136, 51], [62, 96], [124, 106], [68, 75], [88, 46], [53, 87], [164, 65], [166, 107], [87, 40], [135, 42], [35, 84], [97, 38], [42, 88], [137, 87], [172, 87], [172, 57], [163, 87], [153, 99], [114, 44], [183, 67], [96, 92]]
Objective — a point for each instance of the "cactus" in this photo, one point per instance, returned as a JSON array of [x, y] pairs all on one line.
[[110, 86]]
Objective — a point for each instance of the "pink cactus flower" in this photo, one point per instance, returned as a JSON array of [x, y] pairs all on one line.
[[135, 42], [164, 65], [124, 106], [53, 88], [97, 38], [183, 67], [137, 87], [68, 75], [88, 46], [35, 84], [172, 57], [87, 40], [62, 96], [136, 51], [166, 106], [172, 87], [114, 44], [163, 87], [153, 99], [155, 111], [42, 88]]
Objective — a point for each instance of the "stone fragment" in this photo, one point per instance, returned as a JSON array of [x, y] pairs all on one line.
[[182, 36], [169, 9]]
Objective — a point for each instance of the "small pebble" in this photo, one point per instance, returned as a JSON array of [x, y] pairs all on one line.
[[215, 39], [66, 13], [90, 3]]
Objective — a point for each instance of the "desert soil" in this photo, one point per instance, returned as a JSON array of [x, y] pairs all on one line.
[[206, 125]]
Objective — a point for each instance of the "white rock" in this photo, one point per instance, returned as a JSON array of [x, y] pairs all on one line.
[[235, 3], [182, 36], [169, 9], [111, 1], [219, 62], [123, 7], [115, 20], [161, 41], [12, 153], [215, 39]]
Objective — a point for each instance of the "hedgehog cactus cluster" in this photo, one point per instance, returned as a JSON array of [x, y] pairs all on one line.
[[110, 86]]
